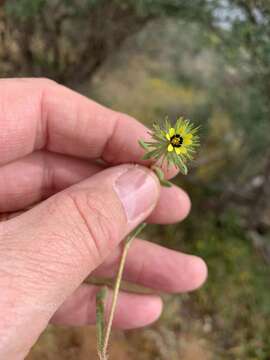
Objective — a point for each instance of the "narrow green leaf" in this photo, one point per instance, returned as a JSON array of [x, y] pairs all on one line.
[[100, 317], [183, 166], [143, 144], [180, 164], [158, 172], [166, 183], [178, 124], [136, 232], [161, 177], [184, 169], [149, 155]]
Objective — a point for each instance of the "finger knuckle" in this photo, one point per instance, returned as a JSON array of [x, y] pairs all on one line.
[[97, 223]]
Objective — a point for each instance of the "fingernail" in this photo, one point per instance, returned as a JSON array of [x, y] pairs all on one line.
[[138, 192]]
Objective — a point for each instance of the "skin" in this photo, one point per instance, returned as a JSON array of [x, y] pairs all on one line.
[[50, 141]]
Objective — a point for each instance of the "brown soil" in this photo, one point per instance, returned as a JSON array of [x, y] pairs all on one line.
[[79, 343]]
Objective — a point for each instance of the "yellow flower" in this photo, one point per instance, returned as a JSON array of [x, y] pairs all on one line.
[[179, 140], [174, 144]]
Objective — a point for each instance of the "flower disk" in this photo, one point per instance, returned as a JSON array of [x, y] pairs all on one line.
[[174, 144]]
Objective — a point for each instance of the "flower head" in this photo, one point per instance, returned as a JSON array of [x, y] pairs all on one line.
[[174, 144]]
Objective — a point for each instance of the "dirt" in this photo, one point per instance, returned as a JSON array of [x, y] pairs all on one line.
[[79, 343]]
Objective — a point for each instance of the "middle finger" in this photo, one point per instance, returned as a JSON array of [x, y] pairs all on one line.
[[156, 267]]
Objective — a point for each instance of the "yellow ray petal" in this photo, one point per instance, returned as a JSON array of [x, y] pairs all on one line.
[[182, 130], [168, 137], [163, 133], [181, 150], [187, 141], [189, 136], [170, 148], [171, 132]]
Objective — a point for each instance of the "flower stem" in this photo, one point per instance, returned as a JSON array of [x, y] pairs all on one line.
[[127, 243]]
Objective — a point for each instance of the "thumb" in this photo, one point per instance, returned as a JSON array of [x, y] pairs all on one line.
[[48, 251]]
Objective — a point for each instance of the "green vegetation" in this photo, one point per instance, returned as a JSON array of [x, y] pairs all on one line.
[[208, 61], [230, 314], [236, 296]]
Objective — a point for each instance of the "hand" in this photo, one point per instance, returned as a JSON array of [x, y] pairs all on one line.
[[50, 139]]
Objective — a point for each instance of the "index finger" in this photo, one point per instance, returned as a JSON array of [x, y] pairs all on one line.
[[41, 114]]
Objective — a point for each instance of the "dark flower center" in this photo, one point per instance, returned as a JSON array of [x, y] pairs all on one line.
[[176, 140]]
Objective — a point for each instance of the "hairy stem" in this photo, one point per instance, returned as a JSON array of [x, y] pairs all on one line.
[[103, 355]]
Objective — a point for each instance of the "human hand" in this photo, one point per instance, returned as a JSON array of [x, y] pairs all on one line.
[[50, 139]]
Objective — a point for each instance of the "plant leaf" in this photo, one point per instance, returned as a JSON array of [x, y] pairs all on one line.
[[100, 317], [166, 183], [158, 172], [161, 177], [149, 155], [143, 144]]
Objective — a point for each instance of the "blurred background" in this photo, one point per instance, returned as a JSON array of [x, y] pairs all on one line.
[[208, 60]]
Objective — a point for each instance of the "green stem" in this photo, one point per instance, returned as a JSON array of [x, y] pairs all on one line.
[[117, 288]]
